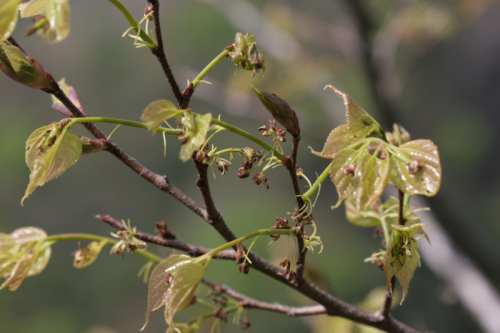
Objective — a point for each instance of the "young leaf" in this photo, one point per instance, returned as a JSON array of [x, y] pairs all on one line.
[[415, 168], [86, 256], [8, 18], [359, 121], [57, 13], [8, 248], [374, 176], [31, 239], [405, 274], [186, 280], [365, 217], [52, 158], [157, 112], [346, 183], [20, 271], [340, 138], [196, 128], [158, 287], [32, 8], [71, 93]]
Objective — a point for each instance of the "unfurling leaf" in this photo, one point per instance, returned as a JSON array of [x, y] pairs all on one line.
[[23, 69], [374, 176], [157, 112], [340, 138], [57, 16], [50, 151], [246, 54], [71, 93], [345, 182], [23, 253], [402, 256], [32, 8], [86, 256], [8, 17], [280, 110], [173, 283], [415, 168], [195, 128]]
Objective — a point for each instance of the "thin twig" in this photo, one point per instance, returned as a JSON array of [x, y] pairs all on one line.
[[251, 303], [192, 250], [159, 52]]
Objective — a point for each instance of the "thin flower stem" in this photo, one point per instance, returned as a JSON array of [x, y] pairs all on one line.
[[133, 23], [109, 241], [130, 123], [209, 67]]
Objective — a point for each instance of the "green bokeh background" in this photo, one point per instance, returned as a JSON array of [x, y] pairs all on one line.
[[450, 96]]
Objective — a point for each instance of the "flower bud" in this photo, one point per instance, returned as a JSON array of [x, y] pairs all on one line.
[[23, 69], [244, 268], [280, 110], [93, 146], [246, 55]]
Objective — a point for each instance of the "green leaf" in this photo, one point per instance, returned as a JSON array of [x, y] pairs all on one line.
[[32, 239], [86, 256], [32, 8], [8, 18], [359, 121], [53, 157], [423, 154], [374, 177], [158, 287], [57, 13], [187, 277], [345, 184], [8, 248], [196, 128], [340, 138], [157, 112], [405, 274], [34, 139], [20, 271], [365, 217]]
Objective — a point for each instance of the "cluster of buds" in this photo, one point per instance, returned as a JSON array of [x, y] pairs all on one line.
[[301, 220], [281, 223], [161, 229], [221, 314], [219, 297], [261, 178], [286, 264], [245, 53], [279, 134], [222, 166], [250, 157], [128, 241]]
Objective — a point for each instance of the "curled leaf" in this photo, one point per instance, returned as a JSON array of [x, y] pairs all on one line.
[[32, 8], [57, 14], [196, 128], [8, 18], [71, 93], [415, 168], [86, 256], [374, 176], [157, 112], [246, 54], [50, 153]]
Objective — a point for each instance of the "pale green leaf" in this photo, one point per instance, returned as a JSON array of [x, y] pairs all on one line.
[[340, 138], [31, 239], [357, 118], [8, 18], [196, 128], [53, 160], [394, 259], [27, 235], [158, 287], [345, 184], [19, 272], [365, 217], [32, 8], [427, 179], [405, 274], [8, 248], [57, 13], [86, 256], [374, 177], [157, 112], [187, 277], [31, 151]]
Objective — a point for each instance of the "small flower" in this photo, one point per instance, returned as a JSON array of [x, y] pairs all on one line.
[[261, 178]]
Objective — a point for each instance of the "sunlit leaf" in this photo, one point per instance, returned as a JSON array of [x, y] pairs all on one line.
[[8, 17], [157, 112], [19, 272], [196, 128], [340, 138], [374, 176], [32, 8], [186, 280], [26, 235], [35, 138], [53, 158], [158, 287], [87, 255], [358, 119], [345, 184], [32, 238], [57, 13], [8, 248], [415, 168]]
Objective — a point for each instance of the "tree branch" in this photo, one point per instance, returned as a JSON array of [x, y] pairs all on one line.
[[192, 250], [159, 52], [251, 303]]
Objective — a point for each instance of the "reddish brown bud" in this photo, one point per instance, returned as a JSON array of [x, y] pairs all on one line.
[[349, 169], [240, 254], [243, 173], [244, 268], [292, 277], [245, 323]]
